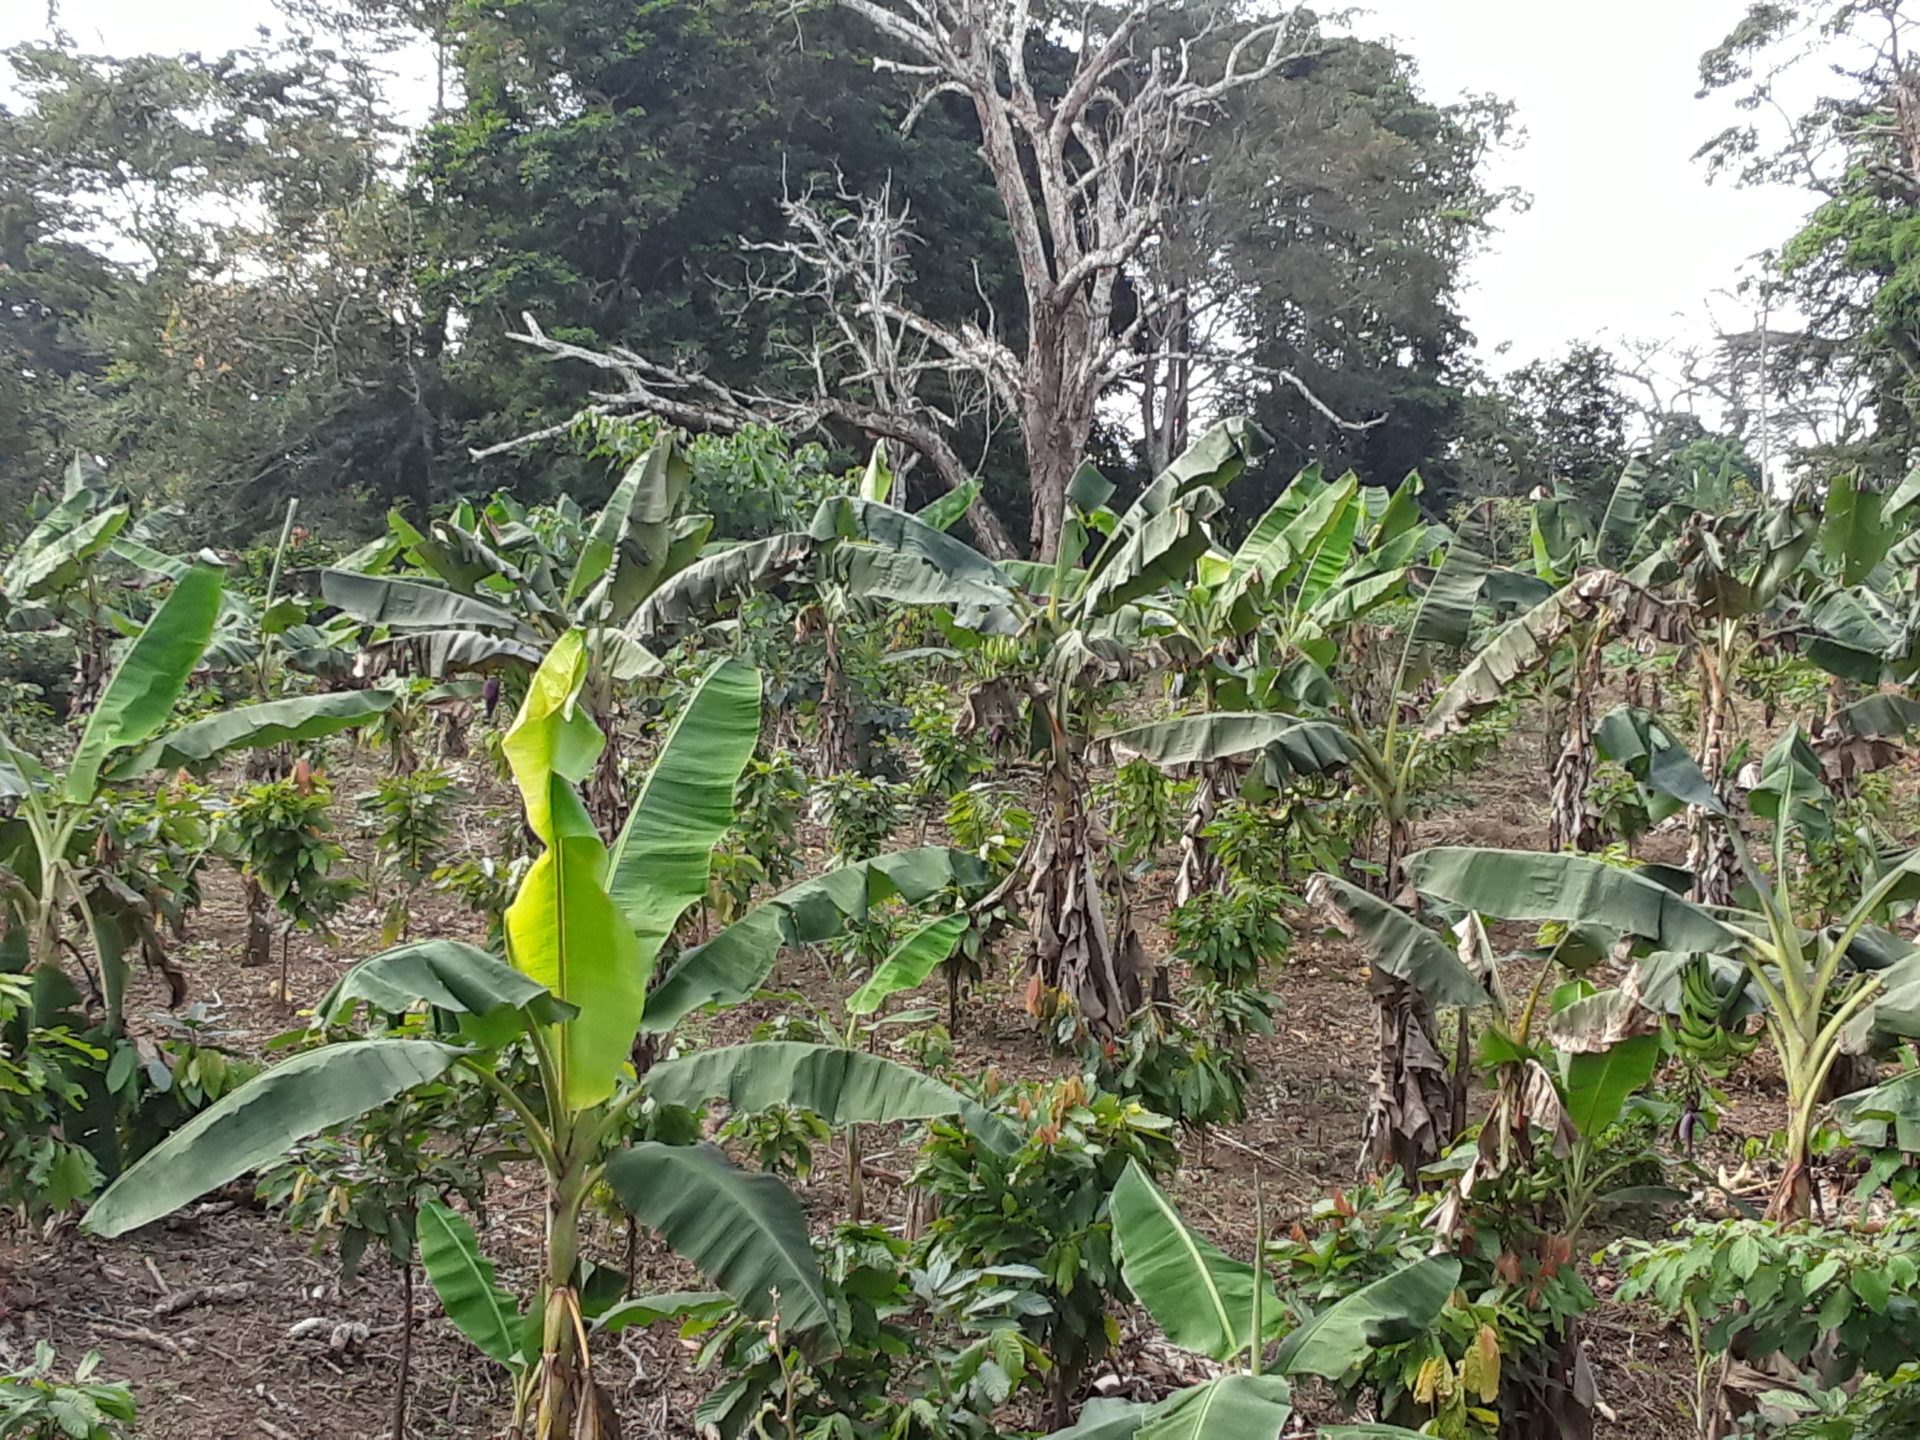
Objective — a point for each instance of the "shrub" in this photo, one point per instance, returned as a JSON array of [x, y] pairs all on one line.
[[1226, 936], [35, 1406], [1035, 1221]]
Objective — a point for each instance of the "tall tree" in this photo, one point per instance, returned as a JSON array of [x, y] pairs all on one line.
[[250, 300], [1086, 165], [1852, 372], [614, 173], [1324, 241], [1559, 422]]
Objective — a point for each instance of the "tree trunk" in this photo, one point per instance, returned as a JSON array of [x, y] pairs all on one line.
[[259, 928], [1710, 853], [1200, 869], [1411, 1097], [406, 1352], [1056, 414], [839, 751], [1074, 950], [1570, 824]]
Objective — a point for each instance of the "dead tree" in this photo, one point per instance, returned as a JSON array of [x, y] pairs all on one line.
[[851, 261], [1084, 172]]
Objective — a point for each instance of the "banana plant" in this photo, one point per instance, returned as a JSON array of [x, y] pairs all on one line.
[[858, 553], [1818, 988], [1048, 634], [583, 934], [1599, 568], [53, 578], [1320, 559], [905, 967], [1733, 574], [58, 869], [1311, 724], [495, 586], [1226, 1310]]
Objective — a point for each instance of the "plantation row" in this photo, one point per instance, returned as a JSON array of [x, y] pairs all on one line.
[[858, 738]]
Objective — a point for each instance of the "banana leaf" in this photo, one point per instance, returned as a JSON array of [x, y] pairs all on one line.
[[698, 592], [446, 975], [1396, 944], [463, 1279], [197, 746], [744, 1232], [149, 678], [1309, 747], [1201, 1297], [1392, 1309], [731, 966], [909, 963], [842, 1086], [261, 1121], [1526, 885], [659, 865], [410, 604]]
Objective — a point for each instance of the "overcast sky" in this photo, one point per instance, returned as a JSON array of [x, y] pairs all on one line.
[[1624, 237]]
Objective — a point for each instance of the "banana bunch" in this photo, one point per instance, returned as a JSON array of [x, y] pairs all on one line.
[[1709, 1030]]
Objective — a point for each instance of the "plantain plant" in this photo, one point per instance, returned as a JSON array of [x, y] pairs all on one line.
[[54, 854], [582, 936]]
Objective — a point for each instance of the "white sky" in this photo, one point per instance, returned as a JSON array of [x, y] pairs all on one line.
[[1625, 237]]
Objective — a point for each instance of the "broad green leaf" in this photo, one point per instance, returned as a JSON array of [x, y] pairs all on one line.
[[843, 1086], [1163, 550], [649, 544], [944, 512], [660, 863], [149, 679], [1201, 1297], [699, 591], [909, 963], [463, 1279], [564, 931], [1332, 554], [868, 523], [1233, 1407], [1886, 1116], [1217, 457], [1309, 747], [59, 560], [731, 966], [670, 1305], [1852, 535], [1526, 885], [744, 1232], [903, 577], [410, 604], [437, 654], [1445, 613], [261, 1121], [597, 550], [1523, 645], [1621, 526], [1396, 944], [1289, 532], [198, 745], [553, 735], [1640, 744], [1599, 1083], [446, 975], [1390, 1310], [1105, 1419]]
